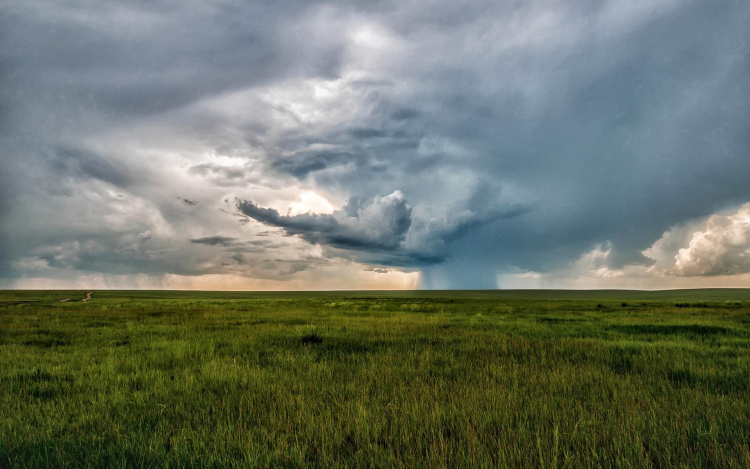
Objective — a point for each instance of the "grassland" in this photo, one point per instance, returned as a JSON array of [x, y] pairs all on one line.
[[375, 379]]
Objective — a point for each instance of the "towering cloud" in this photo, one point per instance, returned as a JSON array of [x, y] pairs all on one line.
[[722, 248]]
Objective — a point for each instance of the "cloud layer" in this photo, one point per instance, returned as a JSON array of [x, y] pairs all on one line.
[[525, 137]]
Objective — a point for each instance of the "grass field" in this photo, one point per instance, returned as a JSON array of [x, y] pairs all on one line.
[[375, 379]]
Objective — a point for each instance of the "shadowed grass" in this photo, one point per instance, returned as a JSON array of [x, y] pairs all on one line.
[[436, 379]]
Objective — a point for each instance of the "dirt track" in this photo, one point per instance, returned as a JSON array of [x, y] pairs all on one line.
[[88, 297]]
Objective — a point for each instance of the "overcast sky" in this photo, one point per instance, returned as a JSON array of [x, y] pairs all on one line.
[[349, 145]]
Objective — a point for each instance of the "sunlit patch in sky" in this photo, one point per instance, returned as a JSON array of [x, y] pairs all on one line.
[[309, 201]]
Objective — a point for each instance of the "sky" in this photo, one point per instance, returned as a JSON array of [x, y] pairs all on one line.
[[303, 145]]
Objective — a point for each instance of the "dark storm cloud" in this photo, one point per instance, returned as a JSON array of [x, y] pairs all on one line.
[[404, 114], [169, 56], [85, 165], [70, 71], [215, 240], [383, 230], [381, 225], [303, 163], [367, 149], [239, 258], [616, 130], [605, 122]]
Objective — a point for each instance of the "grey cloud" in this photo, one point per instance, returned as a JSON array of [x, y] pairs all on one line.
[[227, 176], [302, 163], [170, 56], [239, 246], [381, 225], [363, 134], [83, 164], [239, 258], [120, 254], [77, 70], [404, 114], [295, 268], [614, 120], [224, 172], [615, 130], [215, 240], [383, 231], [377, 270]]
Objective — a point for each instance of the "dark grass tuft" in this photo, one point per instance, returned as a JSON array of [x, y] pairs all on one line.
[[673, 329], [311, 339]]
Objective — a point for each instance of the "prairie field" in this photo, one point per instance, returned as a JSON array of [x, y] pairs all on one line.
[[538, 379]]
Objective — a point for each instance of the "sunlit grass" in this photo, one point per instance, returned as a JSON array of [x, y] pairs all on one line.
[[351, 380]]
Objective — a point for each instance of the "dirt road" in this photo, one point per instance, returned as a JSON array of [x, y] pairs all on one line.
[[88, 297]]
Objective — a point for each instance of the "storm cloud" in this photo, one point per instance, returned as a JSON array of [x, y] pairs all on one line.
[[215, 240], [380, 225], [383, 228], [534, 139]]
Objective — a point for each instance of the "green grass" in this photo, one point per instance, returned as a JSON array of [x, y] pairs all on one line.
[[382, 379]]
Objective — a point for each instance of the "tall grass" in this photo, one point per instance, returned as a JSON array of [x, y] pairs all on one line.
[[346, 381]]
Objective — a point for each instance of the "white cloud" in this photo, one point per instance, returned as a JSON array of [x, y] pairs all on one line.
[[708, 252], [309, 201], [722, 248]]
